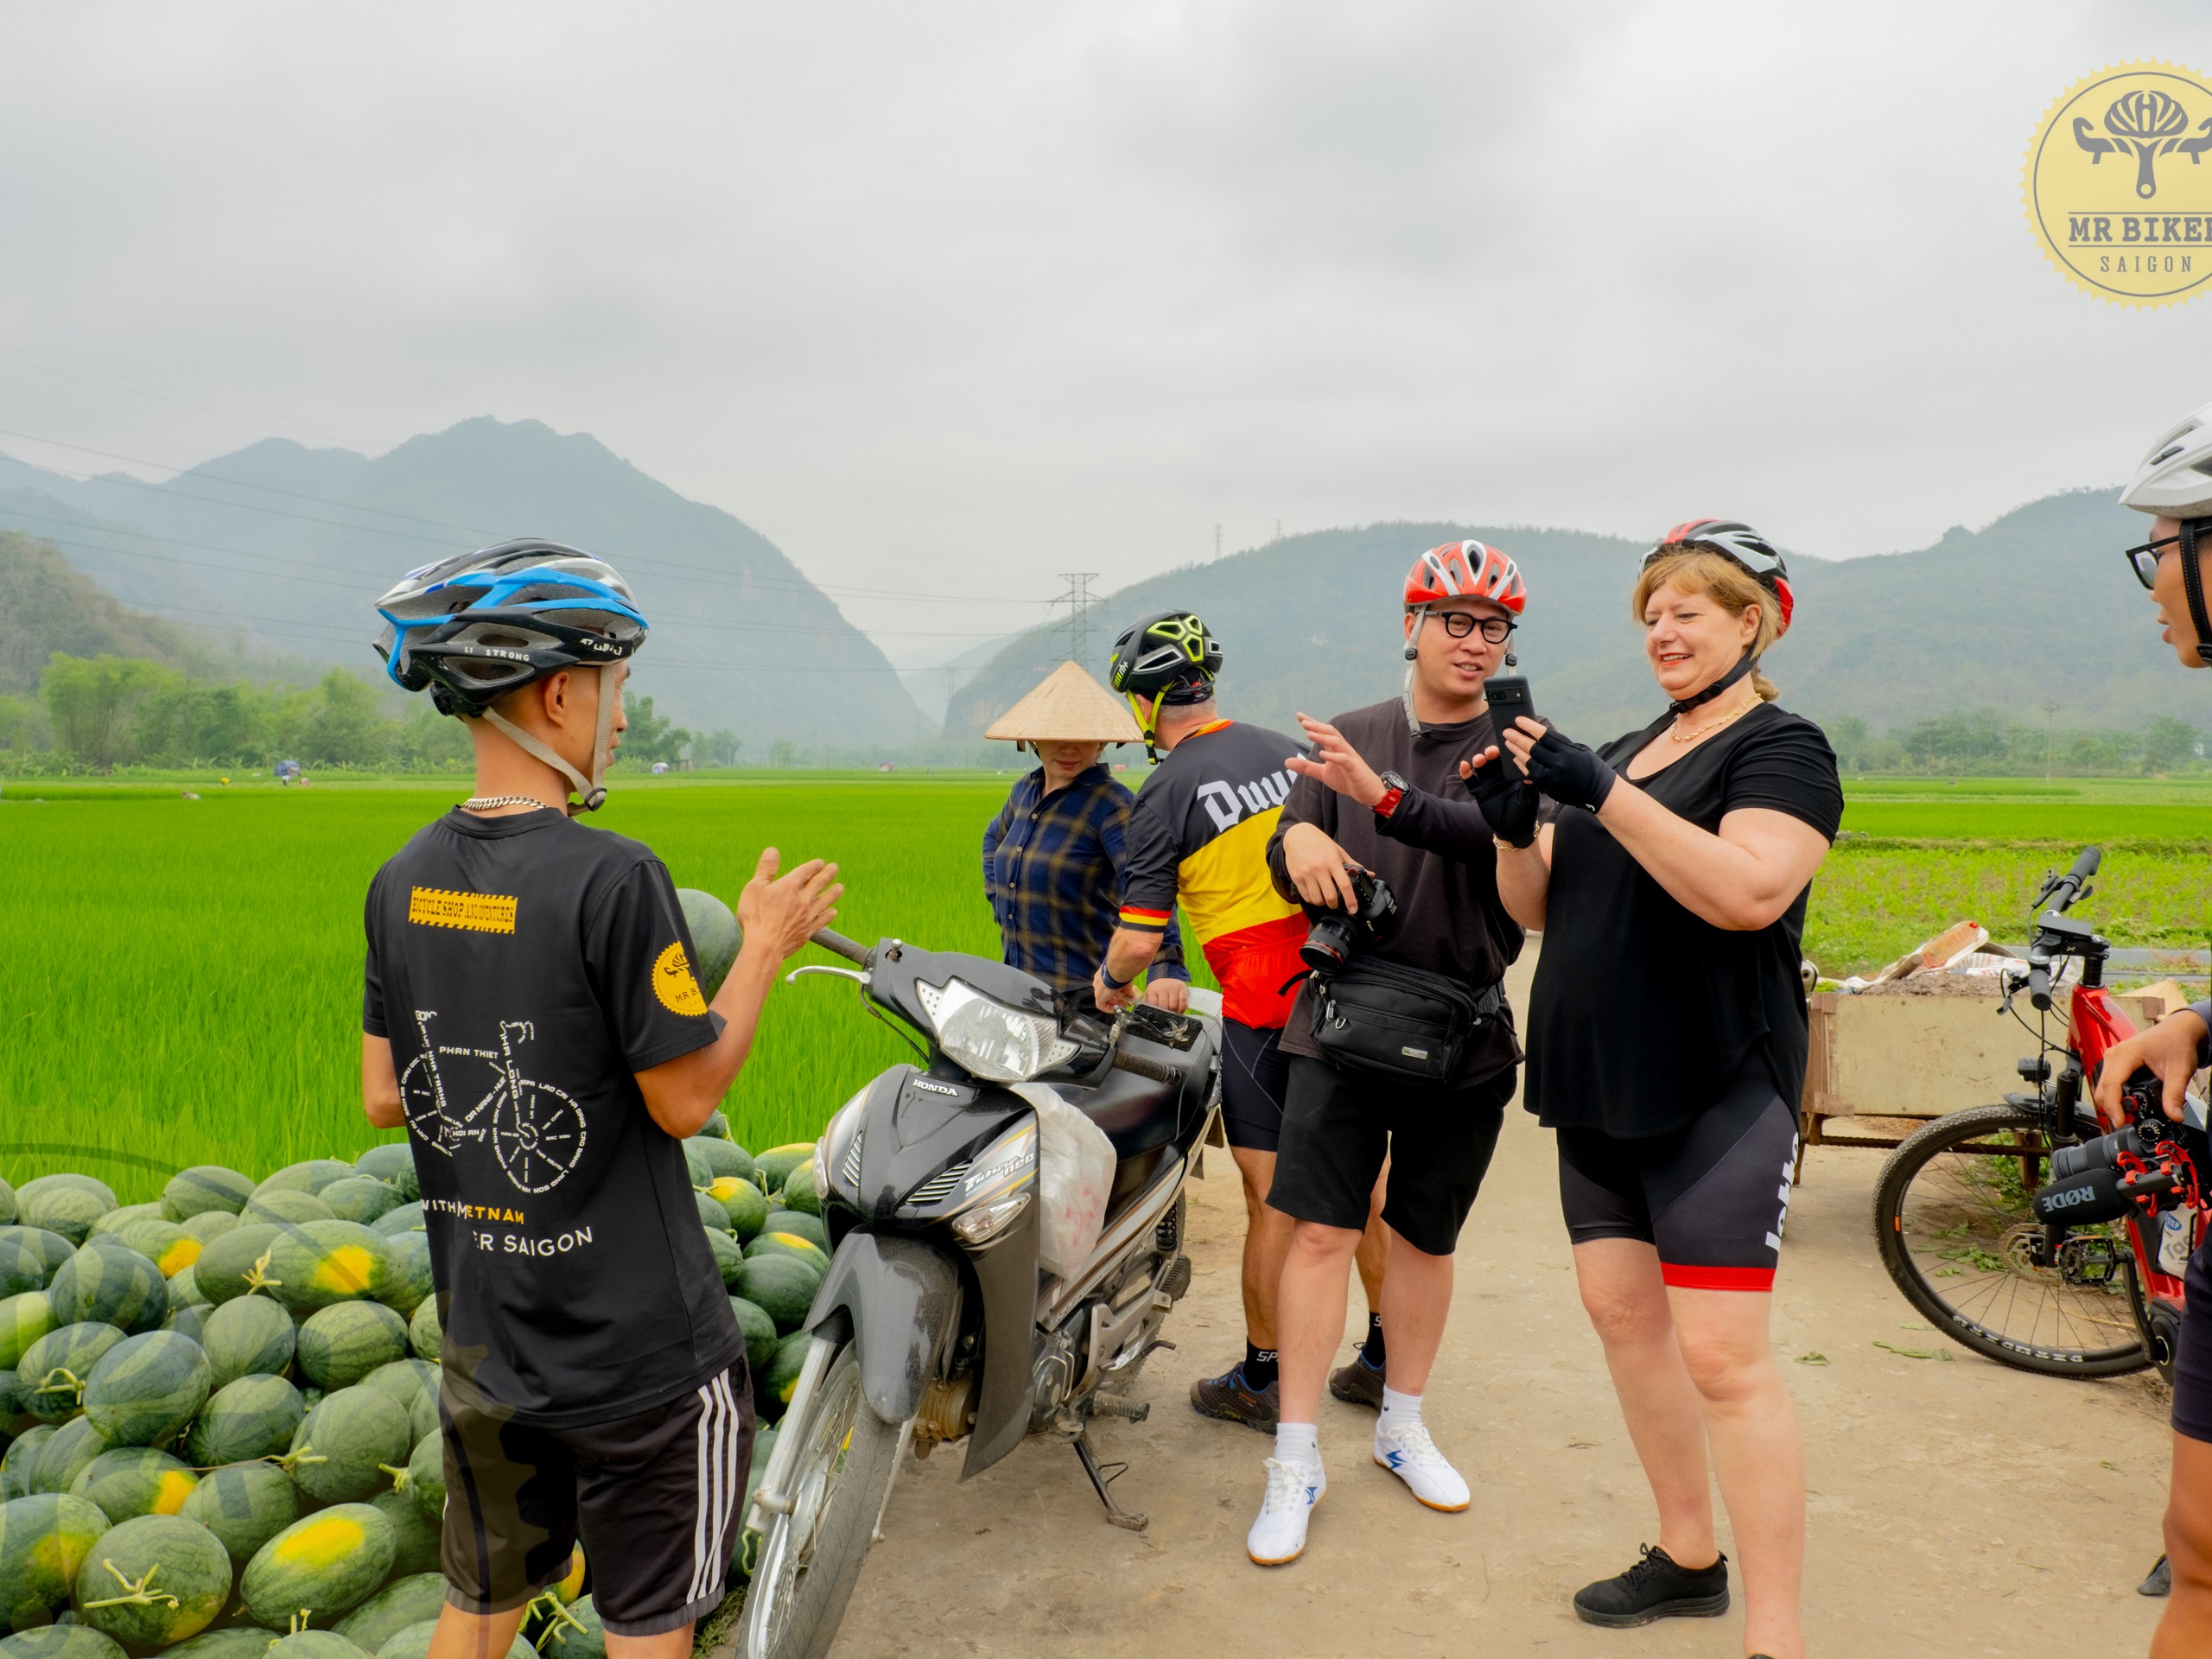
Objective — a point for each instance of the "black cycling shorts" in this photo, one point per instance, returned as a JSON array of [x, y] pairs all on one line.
[[1255, 1075], [2193, 1353], [1339, 1126], [655, 1497], [1711, 1196]]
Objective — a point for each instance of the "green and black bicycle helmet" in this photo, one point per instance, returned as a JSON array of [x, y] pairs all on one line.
[[1169, 658]]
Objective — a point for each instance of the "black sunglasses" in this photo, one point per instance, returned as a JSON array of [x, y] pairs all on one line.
[[1459, 624], [2144, 560]]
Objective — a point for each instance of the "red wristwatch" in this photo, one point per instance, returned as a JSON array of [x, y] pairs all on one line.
[[1394, 791]]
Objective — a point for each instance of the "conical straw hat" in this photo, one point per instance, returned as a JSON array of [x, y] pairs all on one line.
[[1069, 707]]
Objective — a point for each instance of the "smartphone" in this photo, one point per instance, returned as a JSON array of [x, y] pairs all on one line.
[[1508, 700]]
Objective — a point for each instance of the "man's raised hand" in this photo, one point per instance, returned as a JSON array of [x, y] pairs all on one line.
[[1336, 765], [788, 909]]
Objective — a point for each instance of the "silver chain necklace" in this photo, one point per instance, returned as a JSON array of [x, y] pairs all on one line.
[[486, 803]]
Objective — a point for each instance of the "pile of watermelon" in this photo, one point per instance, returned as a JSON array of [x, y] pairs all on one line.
[[219, 1424]]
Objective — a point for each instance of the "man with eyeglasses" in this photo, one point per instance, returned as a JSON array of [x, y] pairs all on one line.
[[1342, 1125], [2174, 485]]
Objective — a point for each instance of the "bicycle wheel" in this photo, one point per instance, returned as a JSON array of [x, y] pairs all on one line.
[[1953, 1222]]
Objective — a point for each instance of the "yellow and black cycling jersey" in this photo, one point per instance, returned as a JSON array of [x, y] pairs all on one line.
[[1197, 840]]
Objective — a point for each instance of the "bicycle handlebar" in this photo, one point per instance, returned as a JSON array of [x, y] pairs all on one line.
[[1156, 1070], [2060, 891], [838, 944]]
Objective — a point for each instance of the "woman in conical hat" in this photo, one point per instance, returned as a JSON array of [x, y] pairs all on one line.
[[1052, 857]]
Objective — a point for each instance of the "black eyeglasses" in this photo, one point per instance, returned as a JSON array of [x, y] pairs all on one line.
[[1459, 624], [2144, 560]]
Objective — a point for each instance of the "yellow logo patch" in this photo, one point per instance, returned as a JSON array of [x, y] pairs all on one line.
[[474, 912], [673, 984]]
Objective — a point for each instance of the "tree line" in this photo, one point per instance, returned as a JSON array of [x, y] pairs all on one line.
[[1987, 743]]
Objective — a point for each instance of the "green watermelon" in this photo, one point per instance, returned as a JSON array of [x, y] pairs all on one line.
[[729, 1256], [359, 1197], [116, 1219], [414, 1643], [184, 1288], [164, 1243], [46, 1252], [285, 1208], [227, 1267], [252, 1336], [7, 1204], [311, 1175], [393, 1164], [413, 1383], [696, 1165], [343, 1342], [231, 1641], [341, 1448], [722, 1157], [803, 1250], [202, 1189], [245, 1504], [780, 1285], [404, 1601], [425, 1335], [154, 1580], [43, 1542], [772, 1387], [22, 1268], [803, 1192], [759, 1332], [716, 1127], [715, 937], [712, 1216], [133, 1480], [409, 1254], [743, 1204], [110, 1283], [67, 1204], [54, 1368], [70, 1640], [146, 1389], [573, 1633], [326, 1563], [11, 1401], [778, 1163], [426, 1475], [24, 1318], [63, 1457], [315, 1644], [407, 1218], [416, 1539], [248, 1417], [16, 1466], [799, 1222], [208, 1226], [322, 1262], [187, 1321]]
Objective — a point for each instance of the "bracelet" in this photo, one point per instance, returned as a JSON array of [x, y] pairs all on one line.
[[1111, 983]]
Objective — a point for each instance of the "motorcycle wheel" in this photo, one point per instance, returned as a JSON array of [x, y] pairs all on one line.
[[809, 1559]]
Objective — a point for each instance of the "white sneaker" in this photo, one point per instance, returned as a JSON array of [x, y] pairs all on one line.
[[1409, 1453], [1278, 1537]]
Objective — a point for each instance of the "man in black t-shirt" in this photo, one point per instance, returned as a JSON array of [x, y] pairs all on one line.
[[531, 1014]]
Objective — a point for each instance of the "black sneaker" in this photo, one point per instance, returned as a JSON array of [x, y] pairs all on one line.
[[1654, 1588], [1358, 1384], [1228, 1398]]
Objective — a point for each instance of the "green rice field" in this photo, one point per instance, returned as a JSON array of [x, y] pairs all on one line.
[[180, 980]]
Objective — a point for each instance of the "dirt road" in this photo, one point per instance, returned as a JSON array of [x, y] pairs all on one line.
[[1958, 1508]]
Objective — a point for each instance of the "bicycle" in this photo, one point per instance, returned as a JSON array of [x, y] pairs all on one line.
[[535, 1130], [2081, 1275]]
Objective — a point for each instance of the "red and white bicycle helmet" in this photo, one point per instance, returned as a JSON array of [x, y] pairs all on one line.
[[1733, 539], [1465, 570]]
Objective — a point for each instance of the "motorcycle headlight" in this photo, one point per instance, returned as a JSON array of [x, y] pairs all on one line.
[[989, 1038], [837, 1154], [999, 1185]]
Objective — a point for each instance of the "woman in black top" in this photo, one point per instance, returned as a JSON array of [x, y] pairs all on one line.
[[1667, 1039]]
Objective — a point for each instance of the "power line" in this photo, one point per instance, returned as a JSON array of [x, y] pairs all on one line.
[[1078, 600]]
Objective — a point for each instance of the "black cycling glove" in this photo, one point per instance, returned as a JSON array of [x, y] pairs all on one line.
[[1569, 773], [1508, 803]]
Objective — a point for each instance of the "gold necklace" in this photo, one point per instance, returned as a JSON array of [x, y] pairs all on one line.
[[1696, 731]]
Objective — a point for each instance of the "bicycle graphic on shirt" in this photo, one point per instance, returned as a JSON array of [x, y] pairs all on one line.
[[535, 1130]]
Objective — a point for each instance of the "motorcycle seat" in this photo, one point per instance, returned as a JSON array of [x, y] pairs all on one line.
[[1136, 1113]]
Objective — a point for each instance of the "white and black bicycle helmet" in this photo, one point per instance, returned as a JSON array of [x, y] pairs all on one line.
[[475, 626], [2175, 481]]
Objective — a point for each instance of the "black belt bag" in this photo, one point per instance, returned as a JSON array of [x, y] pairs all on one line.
[[1389, 1020]]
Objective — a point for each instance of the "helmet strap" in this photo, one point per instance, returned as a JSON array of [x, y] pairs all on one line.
[[591, 793], [1147, 728], [2192, 586], [1413, 652], [1744, 665]]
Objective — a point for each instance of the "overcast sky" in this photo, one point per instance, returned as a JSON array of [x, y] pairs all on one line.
[[958, 295]]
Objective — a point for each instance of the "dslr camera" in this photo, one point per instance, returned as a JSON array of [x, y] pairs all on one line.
[[1334, 937]]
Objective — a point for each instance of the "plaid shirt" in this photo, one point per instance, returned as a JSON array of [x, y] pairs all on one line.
[[1052, 871]]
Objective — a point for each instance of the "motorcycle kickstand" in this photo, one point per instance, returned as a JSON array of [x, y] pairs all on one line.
[[1131, 1519]]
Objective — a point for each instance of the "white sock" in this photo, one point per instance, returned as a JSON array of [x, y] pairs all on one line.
[[1399, 1410], [1298, 1443]]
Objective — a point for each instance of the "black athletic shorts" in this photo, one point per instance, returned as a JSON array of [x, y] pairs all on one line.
[[654, 1496], [1339, 1126], [1255, 1073], [2193, 1353], [1711, 1195]]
